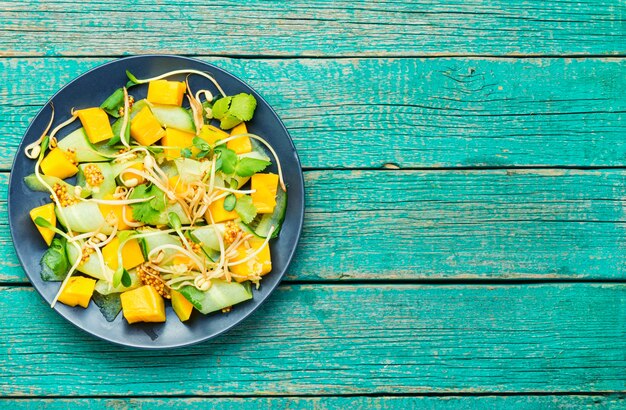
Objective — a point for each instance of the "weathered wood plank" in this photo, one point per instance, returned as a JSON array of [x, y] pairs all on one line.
[[411, 112], [330, 403], [540, 224], [313, 28], [311, 340]]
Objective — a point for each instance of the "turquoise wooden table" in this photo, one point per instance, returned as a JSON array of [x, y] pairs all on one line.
[[465, 232]]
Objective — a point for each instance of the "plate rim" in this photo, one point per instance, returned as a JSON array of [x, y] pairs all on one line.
[[290, 255]]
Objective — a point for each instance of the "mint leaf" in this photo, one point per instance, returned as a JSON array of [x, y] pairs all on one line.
[[220, 107], [245, 208], [54, 263], [242, 106], [246, 167]]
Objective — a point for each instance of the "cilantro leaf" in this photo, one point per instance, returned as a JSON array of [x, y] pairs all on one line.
[[246, 167], [229, 121], [242, 106], [201, 144], [245, 208], [220, 107], [228, 159], [148, 212], [54, 263]]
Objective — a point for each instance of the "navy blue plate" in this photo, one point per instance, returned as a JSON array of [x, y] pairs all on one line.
[[89, 90]]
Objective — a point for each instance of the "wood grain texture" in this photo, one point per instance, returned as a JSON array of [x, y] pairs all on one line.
[[313, 28], [409, 225], [330, 403], [368, 339], [357, 113]]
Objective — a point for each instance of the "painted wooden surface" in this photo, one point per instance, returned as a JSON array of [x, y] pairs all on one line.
[[343, 339], [313, 28], [458, 95], [355, 113], [493, 225], [330, 403]]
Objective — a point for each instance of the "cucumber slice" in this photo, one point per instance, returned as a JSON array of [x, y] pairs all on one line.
[[34, 184], [220, 295], [105, 287], [190, 170], [91, 267], [107, 186], [83, 217], [207, 236], [158, 239], [174, 117], [274, 219], [84, 150]]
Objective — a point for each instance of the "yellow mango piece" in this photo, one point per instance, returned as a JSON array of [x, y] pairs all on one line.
[[57, 164], [219, 213], [241, 145], [145, 128], [96, 124], [46, 212], [143, 304], [166, 92], [180, 187], [261, 264], [117, 210], [132, 256], [182, 307], [212, 134], [178, 139], [264, 197], [78, 291]]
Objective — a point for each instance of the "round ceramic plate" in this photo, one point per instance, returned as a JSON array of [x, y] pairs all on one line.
[[89, 90]]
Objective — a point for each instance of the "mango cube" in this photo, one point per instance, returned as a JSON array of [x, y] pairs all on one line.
[[212, 134], [182, 307], [58, 164], [219, 213], [143, 304], [132, 256], [264, 197], [145, 128], [96, 124], [178, 140], [46, 212], [180, 187], [78, 291], [261, 264], [117, 210], [166, 92], [241, 145]]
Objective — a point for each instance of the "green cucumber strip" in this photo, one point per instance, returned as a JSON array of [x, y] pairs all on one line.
[[91, 267], [220, 295], [173, 117], [83, 217], [137, 106], [208, 237], [83, 149], [34, 184], [110, 305], [107, 186], [154, 241], [274, 219]]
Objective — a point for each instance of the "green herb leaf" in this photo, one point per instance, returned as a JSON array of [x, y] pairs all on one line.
[[201, 144], [229, 202], [185, 153], [113, 103], [229, 121], [126, 280], [131, 77], [246, 167], [116, 127], [228, 159], [242, 106], [148, 212], [110, 305], [117, 276], [40, 221], [54, 263], [220, 107], [245, 208]]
